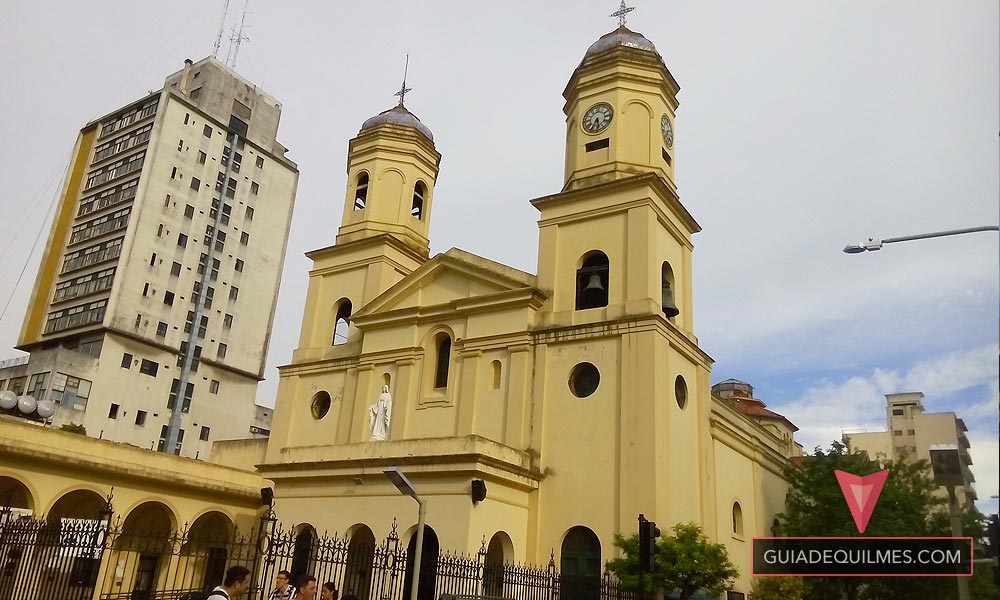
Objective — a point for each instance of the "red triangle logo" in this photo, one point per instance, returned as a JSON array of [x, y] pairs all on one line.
[[861, 494]]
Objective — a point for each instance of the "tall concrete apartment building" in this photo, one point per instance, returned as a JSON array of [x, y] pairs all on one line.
[[910, 435], [158, 284]]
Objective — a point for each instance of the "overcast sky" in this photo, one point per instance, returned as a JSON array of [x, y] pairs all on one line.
[[802, 126]]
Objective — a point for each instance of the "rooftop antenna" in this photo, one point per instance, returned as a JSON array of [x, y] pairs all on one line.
[[402, 90], [222, 27], [621, 12], [237, 38]]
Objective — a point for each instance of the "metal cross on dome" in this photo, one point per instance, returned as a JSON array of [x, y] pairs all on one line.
[[402, 90], [621, 12]]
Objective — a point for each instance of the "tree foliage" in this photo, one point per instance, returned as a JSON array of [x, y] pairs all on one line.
[[778, 588], [907, 506], [686, 562]]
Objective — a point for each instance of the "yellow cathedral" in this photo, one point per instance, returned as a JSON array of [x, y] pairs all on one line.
[[537, 413]]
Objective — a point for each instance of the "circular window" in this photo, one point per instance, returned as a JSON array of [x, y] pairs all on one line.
[[681, 391], [584, 379], [320, 405]]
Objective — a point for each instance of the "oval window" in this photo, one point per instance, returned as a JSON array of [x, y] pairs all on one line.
[[584, 379], [681, 391], [320, 405]]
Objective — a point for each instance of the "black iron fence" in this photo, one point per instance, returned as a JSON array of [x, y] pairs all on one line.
[[143, 559]]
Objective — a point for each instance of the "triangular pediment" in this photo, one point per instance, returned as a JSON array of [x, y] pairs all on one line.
[[446, 279]]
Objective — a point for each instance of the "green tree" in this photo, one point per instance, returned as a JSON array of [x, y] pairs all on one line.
[[778, 588], [815, 506], [686, 562]]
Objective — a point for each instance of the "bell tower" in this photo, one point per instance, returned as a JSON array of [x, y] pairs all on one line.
[[392, 166], [391, 169], [620, 105]]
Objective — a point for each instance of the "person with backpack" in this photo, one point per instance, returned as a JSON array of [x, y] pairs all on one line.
[[236, 582]]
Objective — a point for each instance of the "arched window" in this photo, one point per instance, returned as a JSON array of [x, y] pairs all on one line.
[[342, 323], [443, 343], [497, 369], [592, 281], [668, 302], [360, 554], [428, 565], [737, 519], [418, 201], [361, 191], [498, 552]]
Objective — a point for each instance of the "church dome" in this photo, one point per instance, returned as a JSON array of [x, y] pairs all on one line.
[[398, 115], [623, 36]]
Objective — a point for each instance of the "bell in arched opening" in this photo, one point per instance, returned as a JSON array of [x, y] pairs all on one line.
[[667, 299]]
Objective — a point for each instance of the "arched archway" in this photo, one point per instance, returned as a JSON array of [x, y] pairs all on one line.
[[358, 574], [14, 494], [206, 550], [143, 546], [77, 504], [580, 564], [428, 565], [499, 551], [302, 551]]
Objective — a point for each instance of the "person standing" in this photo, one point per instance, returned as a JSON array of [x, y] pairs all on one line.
[[283, 588], [328, 591], [235, 583], [307, 588]]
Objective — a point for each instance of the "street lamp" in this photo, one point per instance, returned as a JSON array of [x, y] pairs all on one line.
[[947, 466], [406, 488], [874, 243]]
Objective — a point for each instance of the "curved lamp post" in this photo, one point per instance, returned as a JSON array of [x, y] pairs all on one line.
[[874, 243]]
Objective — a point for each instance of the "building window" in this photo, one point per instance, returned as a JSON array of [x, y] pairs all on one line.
[[680, 391], [417, 209], [244, 238], [168, 298], [227, 321], [180, 145], [737, 519], [195, 184], [234, 292], [113, 412], [126, 361], [148, 367], [202, 157], [254, 187], [668, 303], [173, 173], [140, 418], [205, 432], [592, 281], [70, 391], [260, 162], [897, 432], [341, 324], [213, 387], [898, 412], [249, 213], [175, 385], [911, 432], [161, 329], [152, 261], [584, 380], [145, 289], [239, 266], [222, 351], [175, 269], [182, 240], [361, 191], [207, 132], [443, 359], [16, 385], [36, 385]]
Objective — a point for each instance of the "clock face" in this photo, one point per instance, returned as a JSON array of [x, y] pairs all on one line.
[[668, 131], [597, 117]]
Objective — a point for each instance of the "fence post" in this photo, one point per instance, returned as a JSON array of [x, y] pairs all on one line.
[[553, 576], [265, 535]]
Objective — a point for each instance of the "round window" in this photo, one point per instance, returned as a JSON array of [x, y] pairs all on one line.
[[584, 379], [320, 405], [681, 391]]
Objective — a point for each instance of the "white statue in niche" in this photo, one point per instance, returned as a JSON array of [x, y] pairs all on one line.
[[379, 415]]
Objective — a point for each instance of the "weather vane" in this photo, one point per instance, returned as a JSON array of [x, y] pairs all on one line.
[[621, 12], [402, 91]]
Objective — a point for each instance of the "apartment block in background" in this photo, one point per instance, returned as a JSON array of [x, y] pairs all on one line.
[[910, 435], [168, 241]]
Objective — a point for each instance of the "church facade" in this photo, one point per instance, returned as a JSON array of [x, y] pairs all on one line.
[[537, 413]]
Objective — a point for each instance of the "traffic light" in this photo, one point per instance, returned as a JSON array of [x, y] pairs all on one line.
[[648, 532]]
